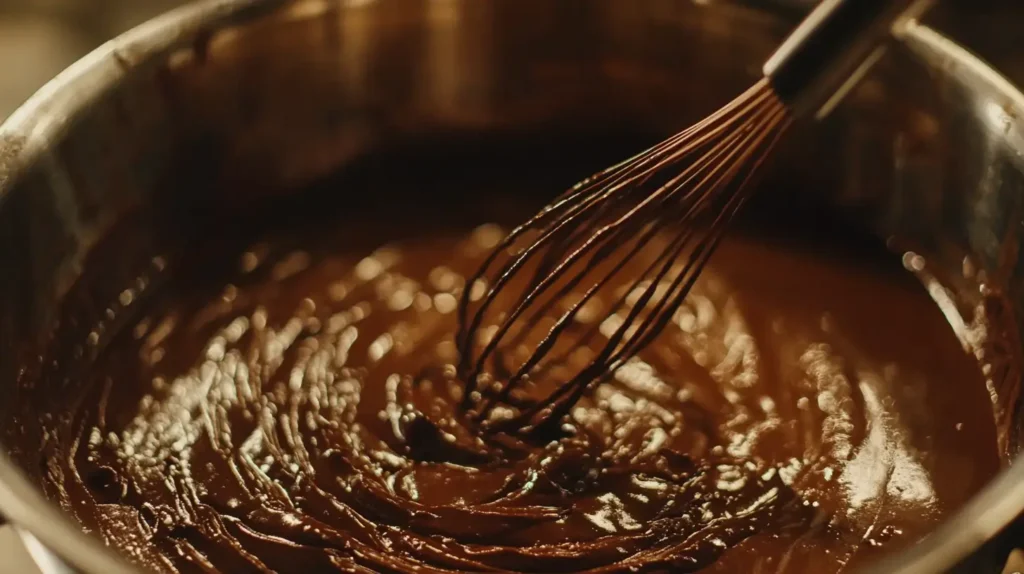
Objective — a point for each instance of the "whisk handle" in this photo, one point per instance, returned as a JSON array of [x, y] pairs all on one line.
[[833, 48]]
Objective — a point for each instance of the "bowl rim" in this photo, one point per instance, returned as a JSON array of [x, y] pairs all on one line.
[[25, 137], [43, 119]]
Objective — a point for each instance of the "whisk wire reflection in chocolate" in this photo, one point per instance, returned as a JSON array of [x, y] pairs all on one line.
[[522, 315]]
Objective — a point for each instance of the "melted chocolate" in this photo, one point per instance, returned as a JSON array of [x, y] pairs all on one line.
[[293, 407]]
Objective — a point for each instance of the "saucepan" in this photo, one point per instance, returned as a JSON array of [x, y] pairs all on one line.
[[265, 95]]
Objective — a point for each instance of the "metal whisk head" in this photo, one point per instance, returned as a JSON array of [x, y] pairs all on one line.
[[576, 291], [628, 244]]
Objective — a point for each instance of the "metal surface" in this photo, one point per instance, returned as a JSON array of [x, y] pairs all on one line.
[[39, 38], [17, 559], [270, 94], [831, 50]]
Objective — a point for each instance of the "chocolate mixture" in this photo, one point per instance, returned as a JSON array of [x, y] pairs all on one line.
[[289, 403]]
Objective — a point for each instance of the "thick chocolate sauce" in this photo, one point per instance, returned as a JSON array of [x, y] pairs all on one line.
[[293, 406]]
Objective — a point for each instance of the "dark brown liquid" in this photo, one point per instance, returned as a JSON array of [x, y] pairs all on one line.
[[291, 405]]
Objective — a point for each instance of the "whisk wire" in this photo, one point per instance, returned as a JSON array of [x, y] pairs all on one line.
[[620, 176], [617, 182], [557, 404], [685, 190]]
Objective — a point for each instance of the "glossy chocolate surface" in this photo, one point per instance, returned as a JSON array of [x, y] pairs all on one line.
[[283, 397]]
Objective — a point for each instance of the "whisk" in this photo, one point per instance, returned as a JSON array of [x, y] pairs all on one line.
[[529, 311]]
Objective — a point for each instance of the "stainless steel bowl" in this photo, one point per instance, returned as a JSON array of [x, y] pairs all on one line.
[[273, 94]]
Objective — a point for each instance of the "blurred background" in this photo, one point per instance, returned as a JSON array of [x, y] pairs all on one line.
[[39, 38]]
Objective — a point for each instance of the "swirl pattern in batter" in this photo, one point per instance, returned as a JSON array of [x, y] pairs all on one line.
[[296, 410]]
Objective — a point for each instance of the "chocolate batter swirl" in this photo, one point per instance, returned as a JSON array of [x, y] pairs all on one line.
[[296, 410]]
